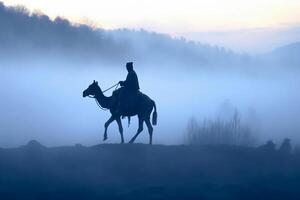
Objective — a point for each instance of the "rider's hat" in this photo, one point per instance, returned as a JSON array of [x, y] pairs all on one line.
[[129, 65]]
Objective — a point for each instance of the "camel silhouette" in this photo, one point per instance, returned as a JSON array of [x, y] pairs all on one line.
[[143, 109]]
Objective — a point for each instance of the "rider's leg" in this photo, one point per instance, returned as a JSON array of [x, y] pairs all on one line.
[[121, 95]]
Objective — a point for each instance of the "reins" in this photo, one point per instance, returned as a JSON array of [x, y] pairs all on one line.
[[98, 104], [116, 87]]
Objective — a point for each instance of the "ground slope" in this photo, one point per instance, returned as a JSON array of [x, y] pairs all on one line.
[[147, 172]]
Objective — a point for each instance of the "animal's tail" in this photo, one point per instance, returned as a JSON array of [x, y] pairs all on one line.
[[154, 115]]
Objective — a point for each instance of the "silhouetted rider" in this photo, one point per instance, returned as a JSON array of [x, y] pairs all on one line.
[[126, 96], [131, 84]]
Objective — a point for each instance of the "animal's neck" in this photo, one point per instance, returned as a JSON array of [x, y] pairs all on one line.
[[103, 100]]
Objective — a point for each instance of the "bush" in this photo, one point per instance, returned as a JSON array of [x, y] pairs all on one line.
[[230, 132], [286, 147]]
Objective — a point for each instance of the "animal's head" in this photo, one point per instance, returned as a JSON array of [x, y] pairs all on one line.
[[92, 90]]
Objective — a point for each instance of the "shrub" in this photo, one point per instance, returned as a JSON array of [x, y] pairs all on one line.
[[230, 132]]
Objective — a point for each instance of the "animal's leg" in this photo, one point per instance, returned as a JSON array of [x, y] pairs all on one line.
[[150, 129], [120, 129], [109, 121], [140, 129]]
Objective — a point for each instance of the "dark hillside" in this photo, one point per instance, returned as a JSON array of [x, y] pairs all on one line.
[[147, 172]]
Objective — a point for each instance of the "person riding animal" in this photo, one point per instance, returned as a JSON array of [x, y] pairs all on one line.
[[126, 101], [127, 95], [131, 84]]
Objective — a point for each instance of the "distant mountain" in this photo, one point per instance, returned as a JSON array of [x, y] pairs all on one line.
[[287, 55], [290, 48], [34, 36], [23, 34]]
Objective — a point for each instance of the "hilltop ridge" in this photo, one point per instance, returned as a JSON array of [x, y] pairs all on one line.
[[139, 171]]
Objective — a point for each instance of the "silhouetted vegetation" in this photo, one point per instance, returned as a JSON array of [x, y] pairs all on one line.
[[269, 147], [28, 35], [23, 32], [230, 132], [286, 147]]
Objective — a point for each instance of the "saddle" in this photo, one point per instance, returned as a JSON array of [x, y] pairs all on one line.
[[126, 101]]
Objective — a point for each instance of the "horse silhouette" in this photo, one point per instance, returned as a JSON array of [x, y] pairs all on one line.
[[142, 109]]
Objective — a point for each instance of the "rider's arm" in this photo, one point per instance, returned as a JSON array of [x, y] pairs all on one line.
[[127, 81], [121, 83]]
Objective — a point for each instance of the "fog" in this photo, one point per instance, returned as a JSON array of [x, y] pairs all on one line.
[[42, 80], [47, 104]]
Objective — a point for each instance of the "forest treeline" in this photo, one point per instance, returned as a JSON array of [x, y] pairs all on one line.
[[25, 33]]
